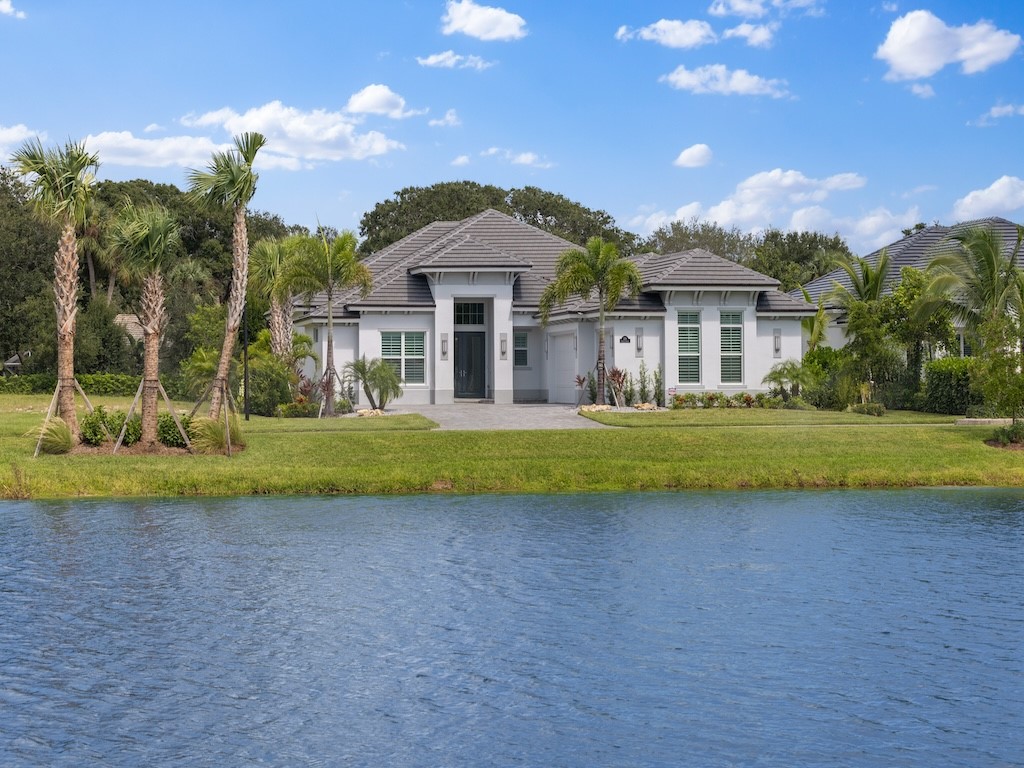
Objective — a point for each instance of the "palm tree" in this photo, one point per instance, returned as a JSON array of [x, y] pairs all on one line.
[[268, 258], [148, 240], [317, 265], [789, 377], [868, 281], [976, 279], [376, 376], [581, 273], [817, 325], [60, 181], [230, 181]]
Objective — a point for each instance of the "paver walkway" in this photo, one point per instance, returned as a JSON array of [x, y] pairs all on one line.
[[470, 416]]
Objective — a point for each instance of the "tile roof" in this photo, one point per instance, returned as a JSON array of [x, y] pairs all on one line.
[[915, 250], [697, 267]]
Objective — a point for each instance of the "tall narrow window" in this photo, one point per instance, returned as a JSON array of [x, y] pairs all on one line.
[[689, 347], [520, 340], [732, 347], [405, 352]]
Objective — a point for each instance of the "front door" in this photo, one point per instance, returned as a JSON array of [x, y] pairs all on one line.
[[470, 363]]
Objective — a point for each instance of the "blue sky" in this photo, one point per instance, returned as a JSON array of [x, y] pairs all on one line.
[[841, 116]]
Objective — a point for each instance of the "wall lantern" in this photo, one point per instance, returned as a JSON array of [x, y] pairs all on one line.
[[624, 340], [639, 335], [444, 346], [777, 334], [504, 346]]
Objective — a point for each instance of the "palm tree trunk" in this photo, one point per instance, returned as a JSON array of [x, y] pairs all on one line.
[[92, 274], [279, 333], [236, 305], [328, 387], [600, 352], [153, 322], [65, 290]]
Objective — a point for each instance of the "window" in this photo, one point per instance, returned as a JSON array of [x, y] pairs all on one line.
[[689, 347], [405, 352], [732, 347], [519, 346], [469, 313]]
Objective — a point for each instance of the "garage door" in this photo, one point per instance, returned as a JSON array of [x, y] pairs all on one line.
[[562, 385]]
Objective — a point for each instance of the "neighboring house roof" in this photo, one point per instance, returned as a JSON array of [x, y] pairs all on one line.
[[131, 325], [915, 250], [493, 241]]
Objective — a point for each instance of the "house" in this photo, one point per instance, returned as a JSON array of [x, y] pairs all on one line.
[[454, 307], [914, 250]]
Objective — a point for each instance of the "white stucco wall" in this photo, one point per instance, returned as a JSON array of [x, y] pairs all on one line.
[[370, 326]]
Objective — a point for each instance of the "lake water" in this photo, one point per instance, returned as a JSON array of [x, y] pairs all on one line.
[[686, 629]]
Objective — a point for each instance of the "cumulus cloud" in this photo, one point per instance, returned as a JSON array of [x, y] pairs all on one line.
[[999, 111], [756, 35], [7, 9], [1003, 196], [378, 99], [124, 148], [13, 136], [924, 91], [453, 60], [450, 120], [461, 160], [304, 136], [755, 9], [919, 44], [671, 33], [717, 78], [482, 21], [531, 159], [694, 157], [152, 128]]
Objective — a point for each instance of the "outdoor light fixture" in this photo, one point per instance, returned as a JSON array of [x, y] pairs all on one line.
[[778, 342], [504, 346], [444, 346], [639, 342]]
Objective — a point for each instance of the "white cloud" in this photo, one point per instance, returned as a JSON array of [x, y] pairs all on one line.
[[922, 91], [12, 137], [531, 159], [918, 190], [694, 157], [317, 135], [123, 148], [890, 7], [671, 33], [453, 60], [877, 228], [756, 35], [450, 120], [152, 128], [7, 9], [461, 160], [482, 21], [755, 9], [378, 99], [999, 111], [1004, 195], [813, 218], [716, 78], [919, 44], [650, 219]]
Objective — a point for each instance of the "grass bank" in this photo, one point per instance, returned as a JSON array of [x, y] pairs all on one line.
[[400, 455]]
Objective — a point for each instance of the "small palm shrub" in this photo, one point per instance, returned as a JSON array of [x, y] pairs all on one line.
[[56, 437]]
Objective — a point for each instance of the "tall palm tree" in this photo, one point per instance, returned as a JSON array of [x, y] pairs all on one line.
[[817, 325], [268, 259], [61, 181], [319, 265], [597, 269], [976, 278], [148, 241], [230, 181]]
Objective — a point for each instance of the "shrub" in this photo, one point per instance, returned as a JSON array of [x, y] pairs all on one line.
[[94, 426], [659, 387], [132, 435], [644, 385], [28, 384], [869, 409], [798, 404], [629, 392], [300, 410], [167, 431], [591, 388], [56, 436], [1013, 433], [711, 399], [269, 385], [948, 386], [343, 405]]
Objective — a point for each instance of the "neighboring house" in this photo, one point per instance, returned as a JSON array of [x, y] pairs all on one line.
[[454, 307], [131, 326], [915, 250]]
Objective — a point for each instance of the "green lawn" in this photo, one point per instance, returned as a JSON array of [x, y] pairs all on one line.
[[745, 417], [400, 455]]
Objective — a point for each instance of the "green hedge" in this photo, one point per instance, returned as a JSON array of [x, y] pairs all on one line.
[[947, 386], [100, 384]]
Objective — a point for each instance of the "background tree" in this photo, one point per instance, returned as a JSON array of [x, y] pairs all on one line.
[[796, 258], [60, 181], [230, 182], [318, 265], [148, 241], [598, 269], [732, 243]]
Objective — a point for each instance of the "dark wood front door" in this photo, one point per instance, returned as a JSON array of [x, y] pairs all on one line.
[[470, 364]]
